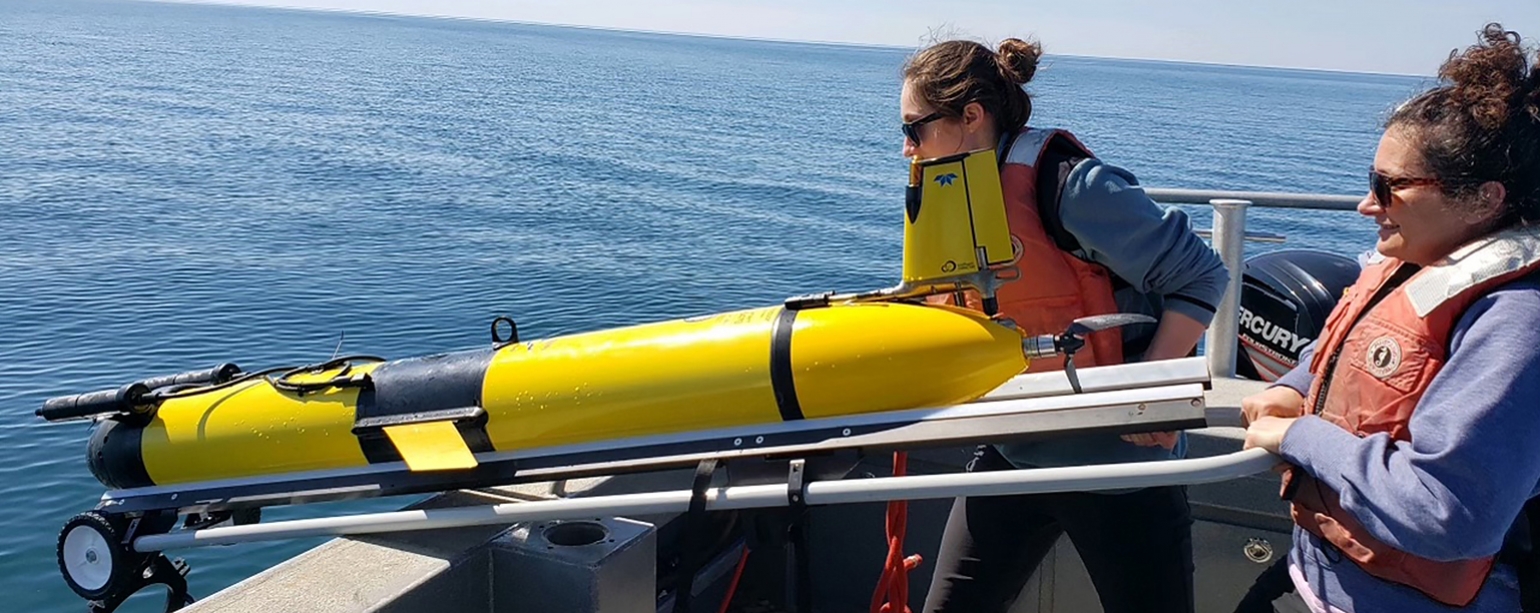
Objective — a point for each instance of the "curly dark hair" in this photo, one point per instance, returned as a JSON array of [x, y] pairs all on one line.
[[953, 73], [1483, 123]]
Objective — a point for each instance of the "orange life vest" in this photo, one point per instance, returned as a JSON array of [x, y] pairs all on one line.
[[1373, 364], [1051, 287]]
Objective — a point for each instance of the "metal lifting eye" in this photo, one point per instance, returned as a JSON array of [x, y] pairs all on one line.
[[513, 331]]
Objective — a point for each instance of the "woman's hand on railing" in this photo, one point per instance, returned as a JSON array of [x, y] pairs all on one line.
[[1151, 439], [1277, 401], [1267, 433]]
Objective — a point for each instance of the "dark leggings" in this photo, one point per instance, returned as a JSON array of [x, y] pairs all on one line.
[[1137, 547]]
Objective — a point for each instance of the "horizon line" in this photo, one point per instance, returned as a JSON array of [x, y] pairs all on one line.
[[760, 39]]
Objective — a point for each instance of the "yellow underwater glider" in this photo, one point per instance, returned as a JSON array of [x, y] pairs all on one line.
[[817, 372]]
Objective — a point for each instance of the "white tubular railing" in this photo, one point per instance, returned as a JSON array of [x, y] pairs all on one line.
[[1229, 240], [994, 483], [1229, 235], [1266, 200]]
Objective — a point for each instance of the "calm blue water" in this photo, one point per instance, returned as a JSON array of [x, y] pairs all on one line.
[[186, 185]]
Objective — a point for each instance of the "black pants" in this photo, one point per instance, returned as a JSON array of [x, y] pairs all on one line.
[[1137, 547]]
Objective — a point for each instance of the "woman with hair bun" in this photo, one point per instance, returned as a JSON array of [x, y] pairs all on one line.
[[1411, 428], [1091, 243]]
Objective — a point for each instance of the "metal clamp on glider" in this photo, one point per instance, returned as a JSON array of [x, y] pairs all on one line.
[[134, 400], [1070, 341]]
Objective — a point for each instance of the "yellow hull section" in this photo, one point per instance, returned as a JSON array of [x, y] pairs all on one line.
[[661, 378], [701, 374], [252, 429]]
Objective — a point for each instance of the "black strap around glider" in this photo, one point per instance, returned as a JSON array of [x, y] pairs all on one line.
[[695, 538], [799, 576]]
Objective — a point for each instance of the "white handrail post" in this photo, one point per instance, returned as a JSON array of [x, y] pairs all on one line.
[[1229, 229]]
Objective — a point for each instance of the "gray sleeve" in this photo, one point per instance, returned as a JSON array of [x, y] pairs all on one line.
[[1300, 378], [1151, 247]]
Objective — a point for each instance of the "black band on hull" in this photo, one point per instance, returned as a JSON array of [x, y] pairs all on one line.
[[781, 380], [423, 385]]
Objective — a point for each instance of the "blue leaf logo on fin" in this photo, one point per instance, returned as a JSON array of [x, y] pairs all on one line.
[[946, 179]]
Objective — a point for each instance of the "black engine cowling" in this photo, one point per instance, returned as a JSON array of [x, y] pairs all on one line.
[[1285, 299]]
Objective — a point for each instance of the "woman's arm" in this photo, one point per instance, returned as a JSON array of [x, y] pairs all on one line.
[[1176, 336], [1300, 379], [1151, 247]]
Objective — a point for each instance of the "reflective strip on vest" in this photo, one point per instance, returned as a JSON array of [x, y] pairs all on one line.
[[1481, 261], [1030, 144]]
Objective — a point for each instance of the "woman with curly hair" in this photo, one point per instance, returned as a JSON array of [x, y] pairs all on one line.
[[1411, 428]]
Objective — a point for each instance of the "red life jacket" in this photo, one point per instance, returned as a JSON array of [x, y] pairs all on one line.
[[1373, 364], [1052, 287]]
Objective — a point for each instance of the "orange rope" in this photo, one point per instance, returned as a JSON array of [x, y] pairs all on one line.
[[738, 574], [894, 584]]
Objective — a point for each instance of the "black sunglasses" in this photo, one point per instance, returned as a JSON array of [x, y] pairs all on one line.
[[912, 128], [1381, 185]]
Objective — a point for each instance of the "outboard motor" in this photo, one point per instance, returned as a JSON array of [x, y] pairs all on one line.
[[1285, 299]]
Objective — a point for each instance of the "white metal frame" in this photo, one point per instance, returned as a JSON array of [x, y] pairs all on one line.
[[993, 483], [1124, 396]]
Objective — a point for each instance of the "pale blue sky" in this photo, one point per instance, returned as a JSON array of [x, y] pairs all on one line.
[[1397, 36]]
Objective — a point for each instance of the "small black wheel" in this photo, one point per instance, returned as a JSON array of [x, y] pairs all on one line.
[[92, 557]]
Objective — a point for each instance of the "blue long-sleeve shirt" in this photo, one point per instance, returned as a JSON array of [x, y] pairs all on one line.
[[1454, 490], [1167, 267]]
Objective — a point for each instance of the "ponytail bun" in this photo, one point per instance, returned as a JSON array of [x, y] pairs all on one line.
[[1490, 81], [951, 74], [1017, 60], [1483, 123]]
